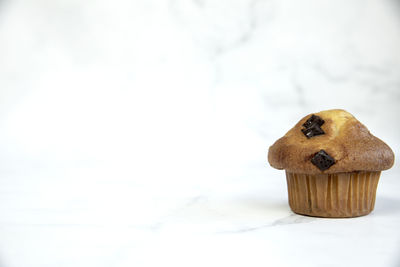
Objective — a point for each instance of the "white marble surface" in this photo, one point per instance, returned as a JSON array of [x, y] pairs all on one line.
[[135, 133]]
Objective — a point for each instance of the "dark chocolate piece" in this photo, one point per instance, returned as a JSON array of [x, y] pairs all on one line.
[[322, 160], [313, 126], [313, 120], [312, 131]]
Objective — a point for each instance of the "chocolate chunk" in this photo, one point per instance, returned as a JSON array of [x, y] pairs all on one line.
[[312, 131], [313, 126], [322, 160], [313, 120]]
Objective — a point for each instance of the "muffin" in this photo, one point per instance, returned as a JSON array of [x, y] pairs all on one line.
[[332, 163]]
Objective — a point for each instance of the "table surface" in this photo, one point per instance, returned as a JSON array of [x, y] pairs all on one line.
[[103, 216]]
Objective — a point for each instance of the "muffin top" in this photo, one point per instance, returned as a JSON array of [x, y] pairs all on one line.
[[330, 141]]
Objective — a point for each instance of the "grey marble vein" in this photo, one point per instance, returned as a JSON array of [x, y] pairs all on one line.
[[291, 219]]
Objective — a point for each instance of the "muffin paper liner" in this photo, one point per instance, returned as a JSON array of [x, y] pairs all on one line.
[[332, 195]]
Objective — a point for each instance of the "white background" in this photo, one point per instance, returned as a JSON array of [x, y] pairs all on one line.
[[135, 133]]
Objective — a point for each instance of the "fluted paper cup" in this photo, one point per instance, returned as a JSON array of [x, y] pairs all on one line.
[[335, 195]]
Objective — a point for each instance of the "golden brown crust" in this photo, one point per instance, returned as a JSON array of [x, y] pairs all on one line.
[[348, 141]]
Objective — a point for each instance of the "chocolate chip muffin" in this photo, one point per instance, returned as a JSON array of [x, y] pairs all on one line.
[[332, 163]]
